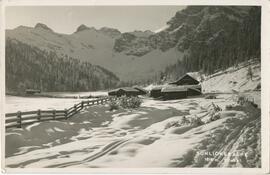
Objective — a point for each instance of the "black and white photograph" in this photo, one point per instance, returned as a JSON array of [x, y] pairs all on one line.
[[148, 86]]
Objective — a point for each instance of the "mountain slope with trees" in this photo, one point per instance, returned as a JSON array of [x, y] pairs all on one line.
[[198, 38], [30, 67], [218, 42]]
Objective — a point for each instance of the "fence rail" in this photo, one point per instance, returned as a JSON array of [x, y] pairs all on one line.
[[19, 118]]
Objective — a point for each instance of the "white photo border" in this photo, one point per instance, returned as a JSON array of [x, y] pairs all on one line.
[[265, 84]]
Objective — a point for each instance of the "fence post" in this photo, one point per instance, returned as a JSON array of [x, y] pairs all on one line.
[[82, 105], [38, 115], [19, 115], [75, 109], [66, 114], [54, 114]]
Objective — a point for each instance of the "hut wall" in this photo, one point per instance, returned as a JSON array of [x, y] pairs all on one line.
[[192, 92], [155, 93], [174, 95], [114, 93], [141, 92]]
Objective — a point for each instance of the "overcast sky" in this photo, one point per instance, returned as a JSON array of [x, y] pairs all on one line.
[[67, 19]]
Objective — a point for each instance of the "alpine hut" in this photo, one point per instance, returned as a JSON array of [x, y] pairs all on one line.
[[174, 92], [32, 91], [185, 80], [125, 91], [190, 83], [156, 92], [113, 92]]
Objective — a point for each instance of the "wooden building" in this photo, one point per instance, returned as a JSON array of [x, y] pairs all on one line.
[[126, 91], [194, 90], [156, 92], [32, 91], [113, 92], [190, 83], [182, 88], [185, 80], [174, 92]]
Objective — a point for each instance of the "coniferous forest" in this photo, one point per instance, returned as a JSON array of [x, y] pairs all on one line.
[[31, 67], [218, 44]]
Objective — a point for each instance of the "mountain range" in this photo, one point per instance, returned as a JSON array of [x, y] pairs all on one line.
[[196, 38]]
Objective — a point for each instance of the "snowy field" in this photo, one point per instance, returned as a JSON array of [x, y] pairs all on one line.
[[176, 133], [16, 103], [78, 94]]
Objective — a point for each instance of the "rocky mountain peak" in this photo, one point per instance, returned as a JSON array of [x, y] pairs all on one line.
[[110, 32], [42, 26], [83, 27], [140, 33]]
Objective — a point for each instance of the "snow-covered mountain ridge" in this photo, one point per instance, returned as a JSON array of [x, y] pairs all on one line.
[[138, 55]]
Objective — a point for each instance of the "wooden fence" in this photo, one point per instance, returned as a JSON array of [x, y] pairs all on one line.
[[19, 118]]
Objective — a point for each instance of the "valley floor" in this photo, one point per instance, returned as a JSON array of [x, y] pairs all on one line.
[[177, 133]]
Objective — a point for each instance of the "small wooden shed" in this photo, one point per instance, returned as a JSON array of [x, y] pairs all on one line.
[[125, 91], [32, 91], [113, 92], [156, 92]]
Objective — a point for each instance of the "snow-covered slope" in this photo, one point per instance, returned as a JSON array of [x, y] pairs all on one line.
[[96, 46], [234, 79]]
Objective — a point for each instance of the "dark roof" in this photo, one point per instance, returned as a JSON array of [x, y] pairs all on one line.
[[185, 77], [127, 89]]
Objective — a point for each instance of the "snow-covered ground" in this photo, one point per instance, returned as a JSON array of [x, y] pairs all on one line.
[[78, 94], [16, 103], [233, 80], [158, 134]]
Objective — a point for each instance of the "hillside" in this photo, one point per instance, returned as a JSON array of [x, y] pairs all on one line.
[[197, 38], [234, 79], [30, 67], [218, 41]]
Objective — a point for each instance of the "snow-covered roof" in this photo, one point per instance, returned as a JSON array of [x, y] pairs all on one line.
[[192, 75], [174, 89], [195, 75], [129, 89]]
